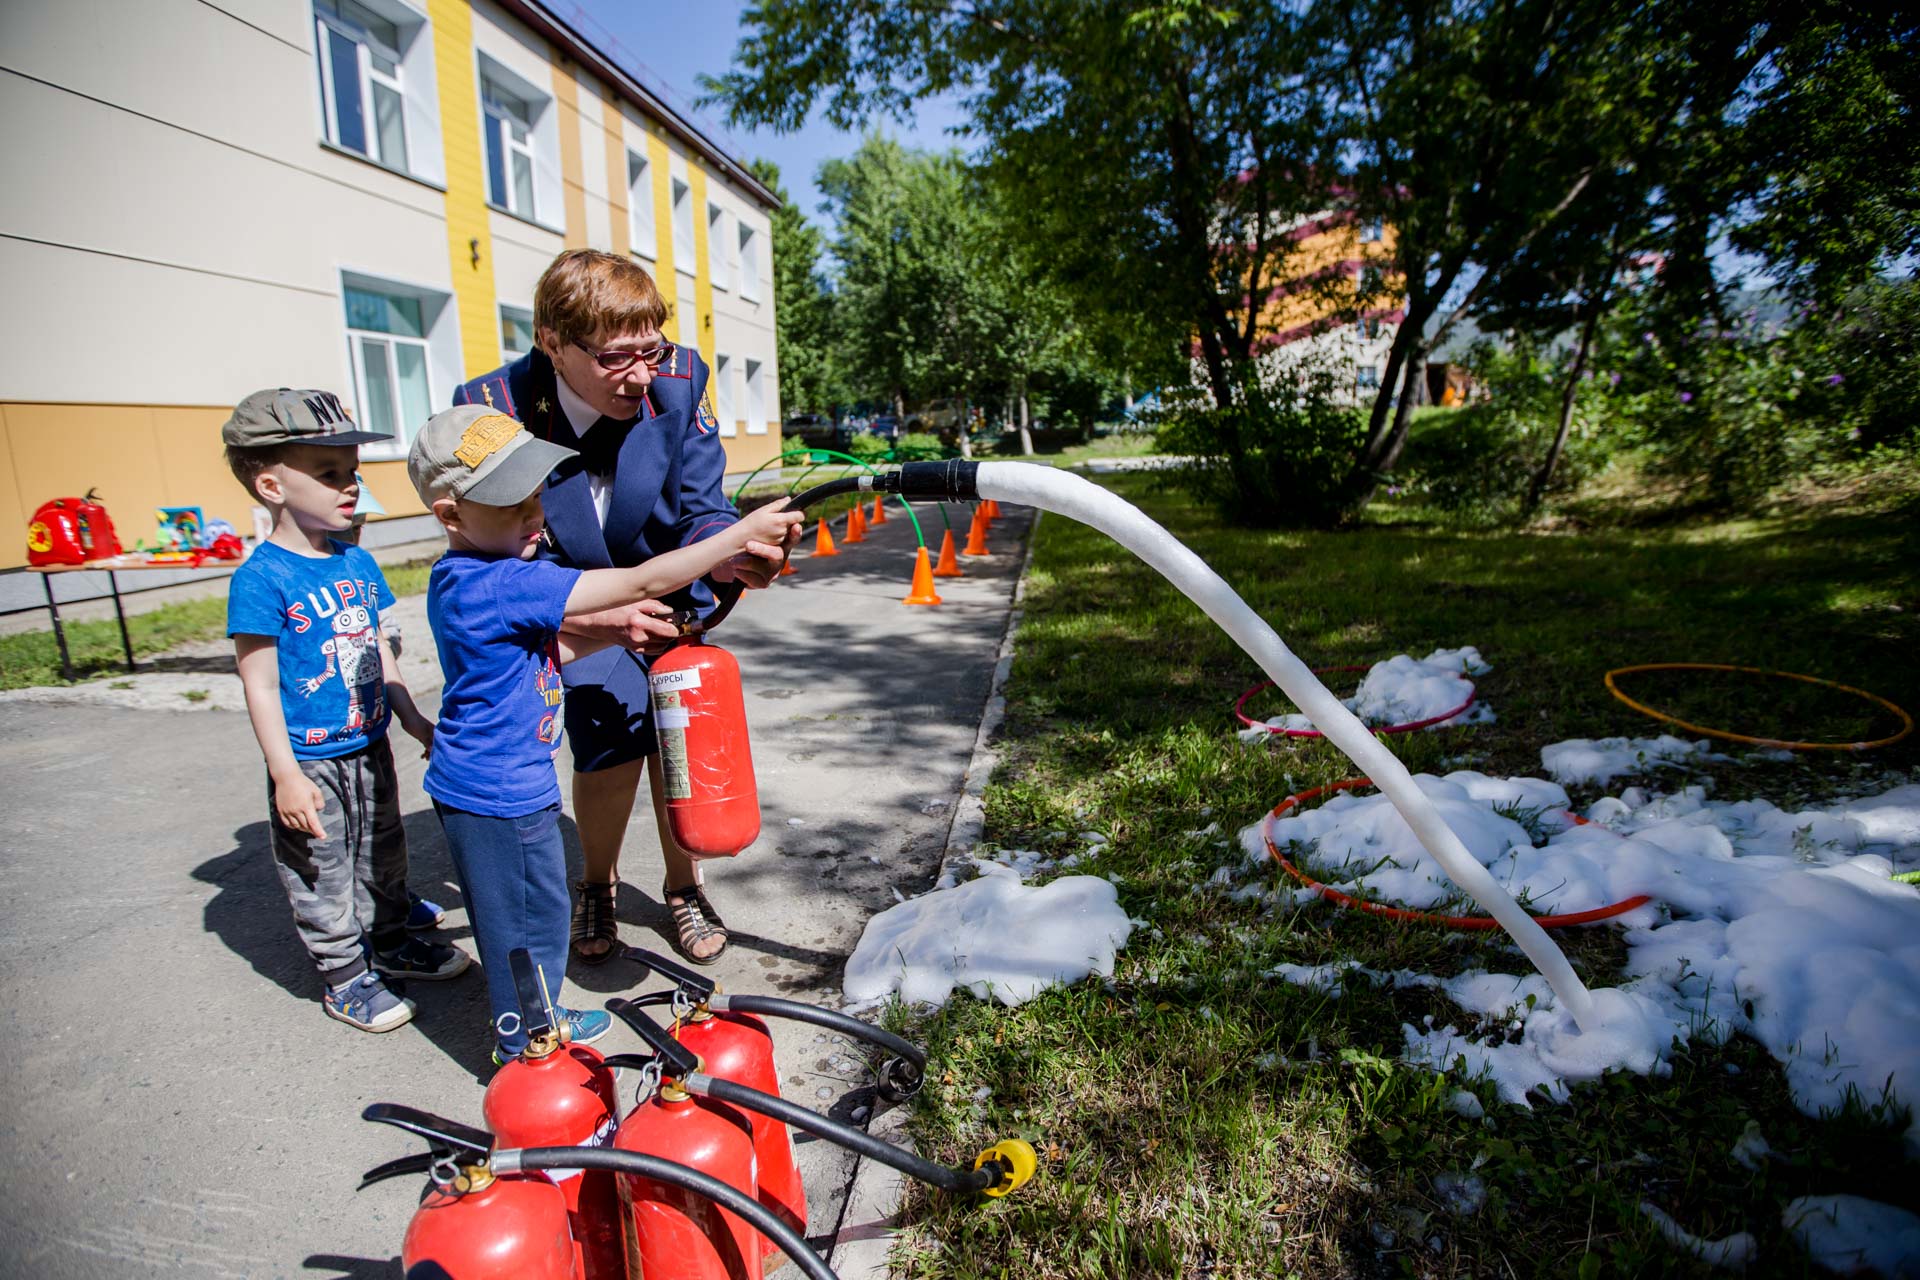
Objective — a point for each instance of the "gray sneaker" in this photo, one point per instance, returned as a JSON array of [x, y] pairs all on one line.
[[368, 1004]]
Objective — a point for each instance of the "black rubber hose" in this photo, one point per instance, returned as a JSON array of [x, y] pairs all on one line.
[[939, 1175], [821, 492], [954, 480], [845, 1024], [722, 1194]]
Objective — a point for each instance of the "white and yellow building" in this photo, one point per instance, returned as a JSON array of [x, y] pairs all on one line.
[[203, 199]]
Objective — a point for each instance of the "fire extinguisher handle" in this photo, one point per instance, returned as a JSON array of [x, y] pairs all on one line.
[[536, 1017], [441, 1133], [845, 1024], [697, 986], [676, 1060], [418, 1162]]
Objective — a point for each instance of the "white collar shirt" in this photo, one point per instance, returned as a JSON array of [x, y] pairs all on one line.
[[583, 417]]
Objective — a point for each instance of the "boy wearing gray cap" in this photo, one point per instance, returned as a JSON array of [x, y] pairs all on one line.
[[496, 613], [304, 615]]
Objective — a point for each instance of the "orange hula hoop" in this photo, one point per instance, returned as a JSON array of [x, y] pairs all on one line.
[[1404, 914], [1906, 721]]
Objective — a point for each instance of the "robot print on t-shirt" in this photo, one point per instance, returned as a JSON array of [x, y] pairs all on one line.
[[354, 651]]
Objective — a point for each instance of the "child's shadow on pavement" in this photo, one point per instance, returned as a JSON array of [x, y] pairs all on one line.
[[249, 913]]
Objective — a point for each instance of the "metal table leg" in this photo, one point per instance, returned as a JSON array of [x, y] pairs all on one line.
[[59, 632], [119, 611]]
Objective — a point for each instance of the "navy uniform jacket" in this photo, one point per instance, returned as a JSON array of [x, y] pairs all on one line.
[[666, 494]]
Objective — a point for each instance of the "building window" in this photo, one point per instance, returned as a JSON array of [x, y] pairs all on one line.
[[719, 252], [403, 342], [646, 237], [1368, 328], [682, 227], [756, 399], [510, 148], [749, 264], [366, 73], [1367, 378], [1372, 231], [516, 332], [723, 395]]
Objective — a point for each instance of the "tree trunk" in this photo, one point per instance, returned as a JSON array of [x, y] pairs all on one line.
[[1026, 432], [1544, 476]]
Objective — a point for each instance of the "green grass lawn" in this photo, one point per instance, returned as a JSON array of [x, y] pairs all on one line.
[[33, 658], [1198, 1119]]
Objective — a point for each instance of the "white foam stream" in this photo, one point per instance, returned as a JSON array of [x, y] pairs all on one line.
[[1079, 499]]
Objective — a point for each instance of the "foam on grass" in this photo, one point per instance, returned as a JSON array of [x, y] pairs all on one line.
[[1403, 689]]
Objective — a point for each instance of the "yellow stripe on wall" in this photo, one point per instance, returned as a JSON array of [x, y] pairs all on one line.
[[566, 93], [702, 278], [613, 126], [469, 235], [658, 158]]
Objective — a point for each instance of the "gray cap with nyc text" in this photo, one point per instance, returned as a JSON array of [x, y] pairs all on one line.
[[474, 451], [282, 415]]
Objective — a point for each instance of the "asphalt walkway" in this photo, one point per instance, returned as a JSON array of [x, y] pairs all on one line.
[[175, 1102]]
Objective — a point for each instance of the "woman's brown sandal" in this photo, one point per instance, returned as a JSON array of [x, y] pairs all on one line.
[[694, 921], [593, 920]]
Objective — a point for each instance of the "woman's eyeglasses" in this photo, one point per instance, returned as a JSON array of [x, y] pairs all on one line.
[[619, 360]]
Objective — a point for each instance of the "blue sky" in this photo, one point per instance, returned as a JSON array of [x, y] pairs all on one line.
[[666, 46]]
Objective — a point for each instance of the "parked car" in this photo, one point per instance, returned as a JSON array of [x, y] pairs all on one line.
[[886, 426], [811, 430], [944, 418]]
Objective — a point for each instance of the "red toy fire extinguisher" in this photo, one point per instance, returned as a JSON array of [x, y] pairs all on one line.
[[557, 1094], [699, 711], [71, 531], [473, 1225]]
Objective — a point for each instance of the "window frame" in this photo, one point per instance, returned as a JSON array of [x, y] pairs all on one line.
[[503, 309], [409, 86], [756, 374], [643, 226], [437, 348], [681, 199], [723, 406], [496, 120], [749, 253]]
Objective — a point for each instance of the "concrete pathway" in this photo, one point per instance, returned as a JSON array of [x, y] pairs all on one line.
[[176, 1104]]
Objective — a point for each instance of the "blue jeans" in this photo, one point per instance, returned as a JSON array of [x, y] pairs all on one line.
[[513, 872]]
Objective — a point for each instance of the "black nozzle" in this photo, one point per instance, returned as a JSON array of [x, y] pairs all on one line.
[[676, 1060], [954, 480], [536, 1015]]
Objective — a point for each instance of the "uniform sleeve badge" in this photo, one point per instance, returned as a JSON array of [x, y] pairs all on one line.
[[703, 414]]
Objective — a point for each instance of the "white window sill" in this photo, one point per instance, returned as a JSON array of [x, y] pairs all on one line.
[[371, 163], [521, 217]]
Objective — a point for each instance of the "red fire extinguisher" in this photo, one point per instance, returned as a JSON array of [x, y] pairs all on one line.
[[682, 1235], [557, 1094], [473, 1225], [713, 805]]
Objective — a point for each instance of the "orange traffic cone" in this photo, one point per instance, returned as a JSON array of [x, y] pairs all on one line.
[[948, 566], [922, 590], [993, 508], [856, 525], [879, 510], [823, 542], [786, 567], [977, 535]]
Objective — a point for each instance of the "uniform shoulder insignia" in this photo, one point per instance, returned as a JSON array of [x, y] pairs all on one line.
[[678, 364]]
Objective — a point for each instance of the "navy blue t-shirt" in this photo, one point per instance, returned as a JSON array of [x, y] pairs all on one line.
[[324, 613], [495, 620]]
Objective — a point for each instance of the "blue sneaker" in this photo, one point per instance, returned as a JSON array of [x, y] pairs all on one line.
[[587, 1025], [367, 1003], [422, 959], [423, 915]]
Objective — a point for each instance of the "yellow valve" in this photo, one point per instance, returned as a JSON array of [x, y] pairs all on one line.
[[1018, 1160]]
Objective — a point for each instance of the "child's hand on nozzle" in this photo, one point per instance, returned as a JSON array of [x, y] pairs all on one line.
[[773, 526]]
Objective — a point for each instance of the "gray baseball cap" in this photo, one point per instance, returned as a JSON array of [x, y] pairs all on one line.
[[281, 415], [474, 451]]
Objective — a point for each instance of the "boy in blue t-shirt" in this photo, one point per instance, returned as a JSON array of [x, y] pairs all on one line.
[[496, 613], [304, 614]]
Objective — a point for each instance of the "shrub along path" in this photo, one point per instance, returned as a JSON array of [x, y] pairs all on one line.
[[1198, 1119]]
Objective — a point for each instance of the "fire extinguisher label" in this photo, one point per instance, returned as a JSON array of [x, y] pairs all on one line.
[[670, 721], [666, 681], [601, 1137]]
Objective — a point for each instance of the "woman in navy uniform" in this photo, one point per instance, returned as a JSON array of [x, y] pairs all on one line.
[[604, 381]]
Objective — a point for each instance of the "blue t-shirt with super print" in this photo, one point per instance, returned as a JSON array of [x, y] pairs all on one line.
[[323, 612], [495, 620]]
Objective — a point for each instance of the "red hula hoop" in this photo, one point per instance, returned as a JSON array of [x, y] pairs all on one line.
[[1239, 710], [1422, 917]]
